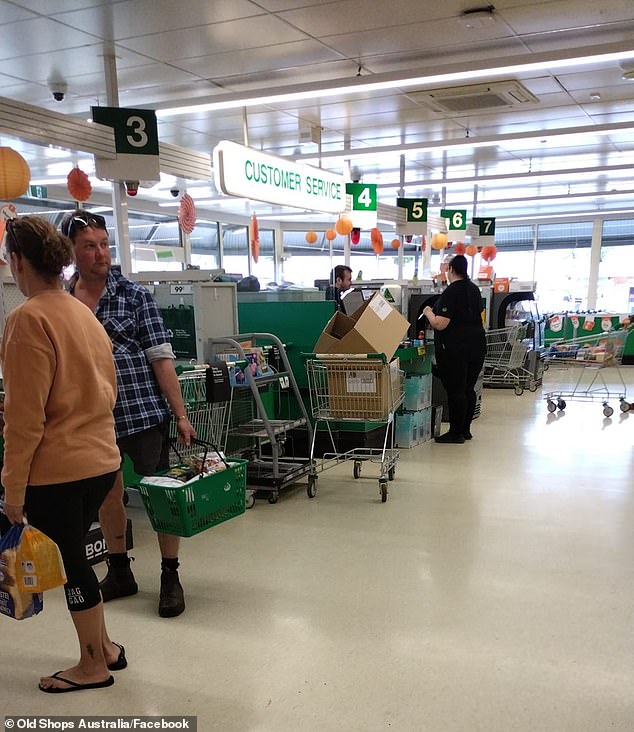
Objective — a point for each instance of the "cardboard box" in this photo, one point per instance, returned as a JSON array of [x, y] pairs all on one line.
[[363, 390], [376, 327], [96, 550]]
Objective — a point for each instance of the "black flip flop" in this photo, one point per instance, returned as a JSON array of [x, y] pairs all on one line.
[[73, 685], [121, 661]]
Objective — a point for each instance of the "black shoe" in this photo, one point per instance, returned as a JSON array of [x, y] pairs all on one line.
[[172, 599], [119, 582], [121, 661], [467, 435], [450, 438]]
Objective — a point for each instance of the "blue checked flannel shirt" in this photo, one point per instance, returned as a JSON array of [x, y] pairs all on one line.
[[132, 319]]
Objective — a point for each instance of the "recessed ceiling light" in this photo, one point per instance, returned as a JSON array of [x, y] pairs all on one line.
[[595, 96]]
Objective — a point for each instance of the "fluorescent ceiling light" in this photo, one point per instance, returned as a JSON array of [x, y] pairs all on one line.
[[559, 134], [572, 58], [574, 216]]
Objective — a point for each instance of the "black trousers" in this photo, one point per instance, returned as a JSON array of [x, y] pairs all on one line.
[[458, 372], [64, 512]]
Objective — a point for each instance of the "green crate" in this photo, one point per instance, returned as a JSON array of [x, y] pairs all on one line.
[[189, 509]]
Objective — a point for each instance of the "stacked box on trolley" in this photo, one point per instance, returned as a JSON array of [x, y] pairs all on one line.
[[413, 423]]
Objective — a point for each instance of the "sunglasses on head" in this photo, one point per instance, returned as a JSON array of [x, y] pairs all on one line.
[[74, 223]]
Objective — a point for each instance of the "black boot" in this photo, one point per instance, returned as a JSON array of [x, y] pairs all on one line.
[[119, 581], [172, 599]]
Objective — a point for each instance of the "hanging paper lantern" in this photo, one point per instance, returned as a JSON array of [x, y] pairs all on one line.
[[395, 243], [187, 214], [439, 241], [423, 243], [311, 237], [376, 241], [460, 248], [471, 250], [254, 238], [14, 174], [488, 253], [330, 234], [78, 185], [343, 225], [355, 236]]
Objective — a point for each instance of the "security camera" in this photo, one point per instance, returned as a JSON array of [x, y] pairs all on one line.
[[175, 192], [58, 89]]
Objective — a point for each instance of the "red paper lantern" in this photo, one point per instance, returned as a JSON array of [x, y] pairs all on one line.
[[488, 253], [78, 185], [311, 237], [355, 236], [460, 248], [395, 243], [187, 214], [15, 174], [343, 225], [330, 234], [471, 250]]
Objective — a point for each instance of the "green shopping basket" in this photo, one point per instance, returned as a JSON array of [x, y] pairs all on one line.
[[199, 504]]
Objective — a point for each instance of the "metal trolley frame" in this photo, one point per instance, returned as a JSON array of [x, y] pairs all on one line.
[[354, 388], [505, 358], [590, 355], [249, 423]]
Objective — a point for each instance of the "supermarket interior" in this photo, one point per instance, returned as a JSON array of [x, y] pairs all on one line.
[[378, 260]]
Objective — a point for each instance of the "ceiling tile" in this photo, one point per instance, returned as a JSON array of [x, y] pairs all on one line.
[[38, 36]]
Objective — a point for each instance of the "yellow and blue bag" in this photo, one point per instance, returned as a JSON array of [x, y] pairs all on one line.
[[15, 602]]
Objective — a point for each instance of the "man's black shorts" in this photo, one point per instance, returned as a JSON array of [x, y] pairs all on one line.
[[148, 450]]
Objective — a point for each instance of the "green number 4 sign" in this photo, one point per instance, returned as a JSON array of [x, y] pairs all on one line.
[[363, 196]]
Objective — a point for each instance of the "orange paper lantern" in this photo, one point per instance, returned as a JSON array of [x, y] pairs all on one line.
[[187, 213], [14, 174], [254, 238], [78, 185], [376, 241], [343, 225], [395, 243], [330, 234], [439, 241], [311, 237], [471, 250], [460, 248]]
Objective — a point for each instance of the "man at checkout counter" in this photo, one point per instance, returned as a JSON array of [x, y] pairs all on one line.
[[460, 346], [340, 282]]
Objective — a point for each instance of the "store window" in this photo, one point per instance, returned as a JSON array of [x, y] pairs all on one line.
[[615, 291], [204, 243], [235, 259]]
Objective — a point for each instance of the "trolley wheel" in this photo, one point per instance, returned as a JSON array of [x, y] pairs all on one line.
[[273, 497], [391, 473], [356, 470], [532, 387], [551, 406], [250, 502], [561, 404], [607, 410], [518, 391], [383, 489], [625, 406], [311, 488]]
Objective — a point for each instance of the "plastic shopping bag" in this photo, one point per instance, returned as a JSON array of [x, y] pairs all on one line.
[[39, 564], [14, 602]]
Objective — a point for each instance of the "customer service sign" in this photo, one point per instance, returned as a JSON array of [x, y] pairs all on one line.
[[241, 171]]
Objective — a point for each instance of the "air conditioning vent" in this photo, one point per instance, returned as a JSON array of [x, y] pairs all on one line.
[[476, 97]]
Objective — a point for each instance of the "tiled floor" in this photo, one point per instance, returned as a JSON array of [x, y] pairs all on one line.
[[494, 591]]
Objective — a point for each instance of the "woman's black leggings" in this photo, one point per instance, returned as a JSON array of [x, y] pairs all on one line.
[[64, 512]]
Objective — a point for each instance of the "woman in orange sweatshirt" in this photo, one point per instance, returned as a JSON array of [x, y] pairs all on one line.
[[60, 454]]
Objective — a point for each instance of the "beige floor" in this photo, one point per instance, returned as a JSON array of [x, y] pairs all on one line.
[[493, 591]]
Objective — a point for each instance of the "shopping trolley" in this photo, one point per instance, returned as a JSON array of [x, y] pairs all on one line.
[[591, 355], [354, 388], [505, 358]]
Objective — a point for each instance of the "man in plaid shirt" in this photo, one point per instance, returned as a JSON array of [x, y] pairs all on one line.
[[147, 389]]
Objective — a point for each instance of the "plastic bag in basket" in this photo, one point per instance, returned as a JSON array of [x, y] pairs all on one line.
[[13, 602]]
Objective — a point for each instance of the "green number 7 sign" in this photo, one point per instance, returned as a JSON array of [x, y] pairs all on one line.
[[486, 226]]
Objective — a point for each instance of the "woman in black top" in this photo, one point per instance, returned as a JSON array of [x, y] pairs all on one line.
[[460, 347]]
